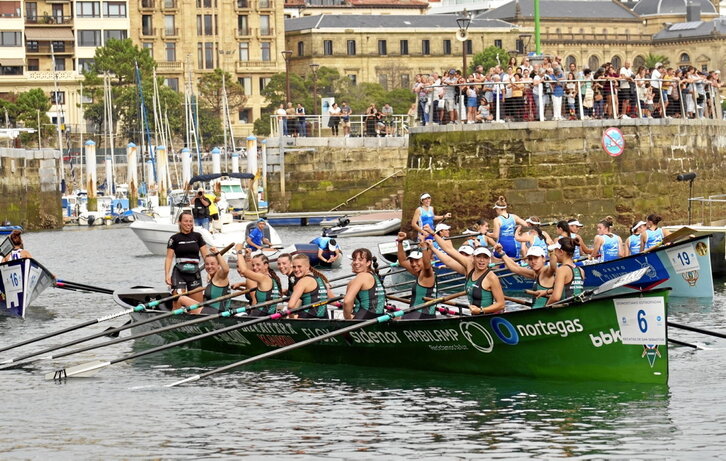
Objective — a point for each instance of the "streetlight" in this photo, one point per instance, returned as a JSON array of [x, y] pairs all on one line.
[[286, 55], [314, 68], [463, 21]]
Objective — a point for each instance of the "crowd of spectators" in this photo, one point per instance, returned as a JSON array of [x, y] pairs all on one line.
[[548, 90], [374, 122]]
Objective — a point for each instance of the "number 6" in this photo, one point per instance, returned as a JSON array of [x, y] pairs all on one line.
[[642, 323]]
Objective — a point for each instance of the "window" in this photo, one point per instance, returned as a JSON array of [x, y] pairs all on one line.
[[11, 39], [328, 47], [169, 4], [170, 48], [89, 37], [301, 48], [265, 50], [447, 47], [425, 47], [519, 46], [208, 25], [88, 9], [593, 62], [617, 63], [31, 45], [243, 3], [11, 70], [114, 9], [405, 81], [353, 79], [115, 34], [265, 24], [246, 83], [169, 25], [265, 4], [209, 55], [704, 67], [149, 47], [383, 80], [206, 4], [685, 58], [404, 47], [468, 46], [58, 47], [57, 97], [172, 83], [33, 64], [245, 116], [60, 64], [637, 62], [243, 25], [351, 48], [31, 10], [382, 47], [498, 43], [244, 51], [571, 60], [263, 83], [85, 64], [147, 24]]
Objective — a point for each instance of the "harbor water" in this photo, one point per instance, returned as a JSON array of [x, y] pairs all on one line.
[[285, 410]]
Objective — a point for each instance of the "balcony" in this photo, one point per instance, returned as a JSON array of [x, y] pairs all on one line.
[[48, 20], [267, 32], [244, 32], [573, 38], [44, 48], [147, 5], [243, 66], [171, 32], [49, 75], [169, 5], [169, 66], [148, 32]]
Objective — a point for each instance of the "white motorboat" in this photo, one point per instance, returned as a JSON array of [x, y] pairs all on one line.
[[385, 227]]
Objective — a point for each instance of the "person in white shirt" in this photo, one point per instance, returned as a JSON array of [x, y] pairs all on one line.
[[624, 92], [655, 83]]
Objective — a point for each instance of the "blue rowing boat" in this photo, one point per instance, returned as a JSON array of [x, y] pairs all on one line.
[[7, 230]]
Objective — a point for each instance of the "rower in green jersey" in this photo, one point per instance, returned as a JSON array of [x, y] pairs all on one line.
[[218, 283], [365, 297], [537, 269], [266, 282], [418, 264], [311, 287], [569, 279], [482, 285]]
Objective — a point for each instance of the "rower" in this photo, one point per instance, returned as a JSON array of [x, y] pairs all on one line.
[[284, 264], [569, 279], [482, 285], [217, 270], [425, 216], [256, 240], [267, 283], [18, 251], [483, 239], [653, 234], [535, 236], [248, 284], [418, 264], [632, 243], [365, 297], [609, 245], [328, 249], [543, 274], [443, 231], [574, 227], [184, 249], [311, 287], [504, 225]]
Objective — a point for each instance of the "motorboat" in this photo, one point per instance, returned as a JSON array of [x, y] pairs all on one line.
[[345, 229]]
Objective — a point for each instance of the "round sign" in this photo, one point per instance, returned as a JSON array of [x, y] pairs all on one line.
[[613, 142]]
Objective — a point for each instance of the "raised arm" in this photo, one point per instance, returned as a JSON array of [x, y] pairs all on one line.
[[245, 271], [401, 254], [448, 261], [513, 266]]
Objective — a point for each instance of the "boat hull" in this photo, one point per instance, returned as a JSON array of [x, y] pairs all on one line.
[[718, 245], [388, 226], [579, 342], [21, 282]]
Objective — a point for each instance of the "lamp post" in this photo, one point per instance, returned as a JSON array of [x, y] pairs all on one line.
[[314, 69], [463, 21], [286, 55]]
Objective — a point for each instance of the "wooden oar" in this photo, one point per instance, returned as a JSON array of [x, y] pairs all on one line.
[[617, 282], [443, 310], [695, 329], [524, 302], [91, 368], [356, 326]]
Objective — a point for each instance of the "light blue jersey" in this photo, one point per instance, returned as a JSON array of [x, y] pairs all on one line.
[[610, 248], [653, 238], [633, 243]]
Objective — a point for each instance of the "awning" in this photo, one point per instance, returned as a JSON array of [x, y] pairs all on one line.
[[12, 62], [39, 35]]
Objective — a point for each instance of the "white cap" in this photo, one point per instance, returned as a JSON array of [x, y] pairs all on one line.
[[535, 251], [501, 207], [332, 245], [415, 254], [574, 223], [640, 223], [466, 249], [441, 226], [424, 196], [482, 251], [530, 221], [554, 246]]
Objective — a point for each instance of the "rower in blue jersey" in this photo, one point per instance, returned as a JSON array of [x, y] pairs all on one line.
[[418, 264], [632, 243], [581, 249], [328, 249], [311, 287], [608, 245], [484, 238], [504, 228], [425, 216], [538, 270], [365, 297], [534, 237], [217, 270], [267, 282], [653, 235], [569, 279]]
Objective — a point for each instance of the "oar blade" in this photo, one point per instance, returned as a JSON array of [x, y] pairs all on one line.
[[84, 370], [625, 279]]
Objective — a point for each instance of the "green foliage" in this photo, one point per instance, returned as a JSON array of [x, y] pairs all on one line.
[[488, 59], [23, 109], [652, 59], [210, 127], [119, 58], [262, 125], [212, 96]]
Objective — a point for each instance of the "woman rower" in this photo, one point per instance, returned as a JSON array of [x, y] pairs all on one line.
[[653, 235], [609, 245], [483, 239], [535, 236], [217, 270], [569, 279], [504, 225], [284, 264], [18, 251], [184, 249], [424, 215], [267, 284], [365, 297], [537, 269], [574, 226], [482, 285], [632, 243], [418, 264], [311, 287]]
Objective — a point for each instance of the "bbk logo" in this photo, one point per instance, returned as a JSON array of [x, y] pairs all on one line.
[[601, 338]]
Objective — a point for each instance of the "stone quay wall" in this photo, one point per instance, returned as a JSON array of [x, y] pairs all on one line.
[[557, 170], [30, 188]]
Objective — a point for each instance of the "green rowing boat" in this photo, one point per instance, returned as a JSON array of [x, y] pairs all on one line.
[[617, 338]]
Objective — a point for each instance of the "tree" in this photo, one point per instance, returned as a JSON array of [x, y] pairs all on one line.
[[652, 59], [301, 88], [489, 58], [29, 105], [211, 95]]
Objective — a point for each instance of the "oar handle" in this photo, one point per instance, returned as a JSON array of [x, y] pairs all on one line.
[[443, 310], [523, 302]]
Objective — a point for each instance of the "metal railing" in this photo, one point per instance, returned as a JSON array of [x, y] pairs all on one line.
[[45, 48], [326, 126], [148, 31], [170, 32], [49, 20]]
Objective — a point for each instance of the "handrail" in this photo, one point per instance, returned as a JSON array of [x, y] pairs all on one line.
[[366, 190]]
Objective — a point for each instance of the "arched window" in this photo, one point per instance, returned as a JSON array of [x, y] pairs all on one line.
[[638, 61], [593, 63], [617, 63], [685, 58], [570, 60]]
